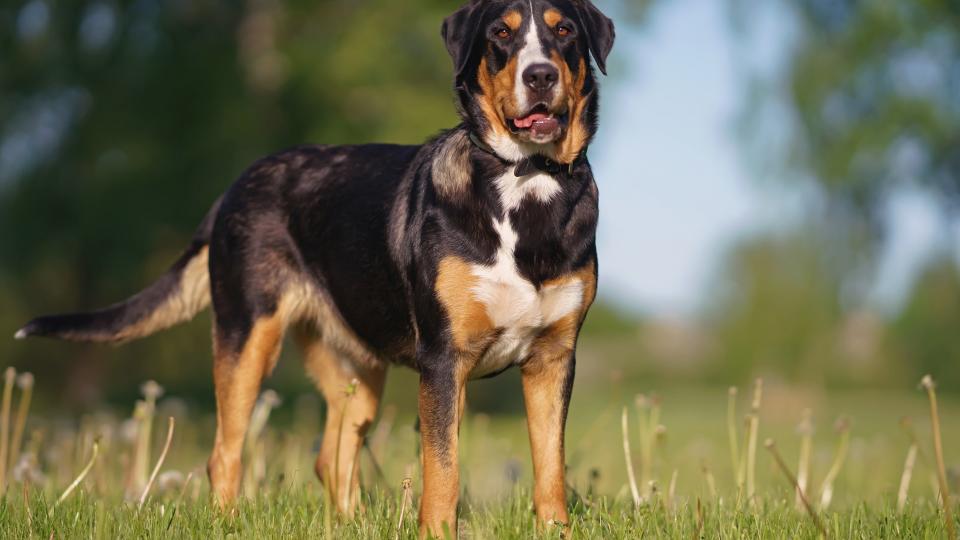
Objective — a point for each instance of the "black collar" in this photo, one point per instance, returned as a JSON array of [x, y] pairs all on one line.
[[529, 164]]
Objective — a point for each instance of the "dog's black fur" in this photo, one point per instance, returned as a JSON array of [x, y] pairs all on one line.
[[365, 229]]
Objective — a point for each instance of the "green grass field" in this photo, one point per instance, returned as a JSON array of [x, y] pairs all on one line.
[[679, 449], [300, 514]]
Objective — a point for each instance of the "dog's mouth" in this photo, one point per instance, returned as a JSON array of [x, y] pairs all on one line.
[[539, 124]]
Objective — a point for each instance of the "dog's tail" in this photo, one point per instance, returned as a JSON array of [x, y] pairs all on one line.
[[179, 294]]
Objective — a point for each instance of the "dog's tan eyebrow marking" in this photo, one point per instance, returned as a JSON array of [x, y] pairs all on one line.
[[552, 17], [513, 19]]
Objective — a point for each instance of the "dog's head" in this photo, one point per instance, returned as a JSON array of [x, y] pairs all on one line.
[[523, 72]]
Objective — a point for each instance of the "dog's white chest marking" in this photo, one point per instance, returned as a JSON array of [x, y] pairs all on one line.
[[515, 307]]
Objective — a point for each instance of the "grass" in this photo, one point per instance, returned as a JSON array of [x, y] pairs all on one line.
[[684, 455], [299, 514]]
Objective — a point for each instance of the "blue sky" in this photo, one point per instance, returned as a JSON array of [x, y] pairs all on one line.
[[674, 189]]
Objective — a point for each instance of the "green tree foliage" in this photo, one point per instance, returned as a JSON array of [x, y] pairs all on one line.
[[874, 86], [870, 89], [925, 333], [121, 122], [775, 308]]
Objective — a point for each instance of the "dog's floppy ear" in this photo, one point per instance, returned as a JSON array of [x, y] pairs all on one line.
[[461, 31], [600, 32]]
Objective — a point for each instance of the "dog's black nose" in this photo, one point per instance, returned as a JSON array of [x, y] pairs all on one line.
[[540, 77]]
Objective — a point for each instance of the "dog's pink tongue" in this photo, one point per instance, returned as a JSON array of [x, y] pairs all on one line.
[[545, 126], [529, 121]]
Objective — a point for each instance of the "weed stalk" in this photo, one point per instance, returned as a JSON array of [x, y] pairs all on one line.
[[83, 474], [752, 434], [928, 384], [772, 447], [905, 478], [9, 377], [404, 502], [907, 424], [826, 490], [711, 481], [25, 383], [156, 468], [631, 476], [732, 433], [806, 449]]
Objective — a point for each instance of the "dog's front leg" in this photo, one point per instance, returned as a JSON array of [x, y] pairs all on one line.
[[441, 406], [547, 385]]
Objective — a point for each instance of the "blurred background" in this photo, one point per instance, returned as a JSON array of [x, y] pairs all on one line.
[[779, 181]]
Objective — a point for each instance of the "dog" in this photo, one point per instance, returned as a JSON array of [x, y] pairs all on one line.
[[460, 258]]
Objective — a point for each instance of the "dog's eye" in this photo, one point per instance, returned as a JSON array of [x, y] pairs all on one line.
[[503, 33], [563, 30]]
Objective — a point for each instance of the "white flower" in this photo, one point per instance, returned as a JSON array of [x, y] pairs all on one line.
[[170, 481], [28, 470], [25, 381], [129, 429], [151, 390]]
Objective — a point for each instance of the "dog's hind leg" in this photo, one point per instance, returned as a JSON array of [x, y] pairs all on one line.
[[352, 393], [237, 374]]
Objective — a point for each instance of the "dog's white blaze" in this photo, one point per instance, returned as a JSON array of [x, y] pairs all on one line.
[[513, 304], [531, 53], [513, 190]]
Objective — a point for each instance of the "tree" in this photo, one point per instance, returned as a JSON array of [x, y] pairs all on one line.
[[925, 332], [872, 86], [120, 123]]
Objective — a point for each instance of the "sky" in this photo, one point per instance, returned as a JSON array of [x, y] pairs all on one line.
[[675, 191]]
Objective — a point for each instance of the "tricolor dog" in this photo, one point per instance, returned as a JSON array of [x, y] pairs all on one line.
[[461, 258]]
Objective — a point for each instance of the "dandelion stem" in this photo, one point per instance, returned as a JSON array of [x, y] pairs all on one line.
[[905, 478], [9, 376], [156, 468], [83, 474], [711, 481], [907, 424], [928, 384], [732, 431], [648, 441], [806, 449], [25, 382], [772, 447], [699, 532], [672, 491], [753, 433], [26, 503], [826, 490], [626, 454], [403, 505], [183, 490]]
